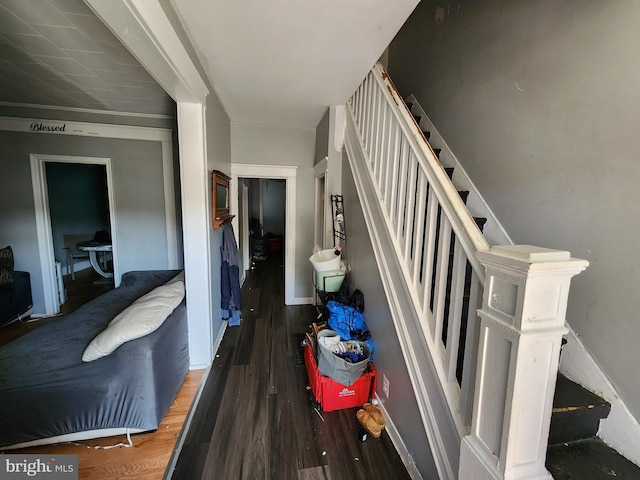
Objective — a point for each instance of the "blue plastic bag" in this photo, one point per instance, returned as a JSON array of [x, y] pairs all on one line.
[[349, 324]]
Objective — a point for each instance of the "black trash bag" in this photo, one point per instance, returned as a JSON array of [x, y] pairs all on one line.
[[356, 300]]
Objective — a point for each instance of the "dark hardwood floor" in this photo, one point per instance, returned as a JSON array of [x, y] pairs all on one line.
[[256, 419]]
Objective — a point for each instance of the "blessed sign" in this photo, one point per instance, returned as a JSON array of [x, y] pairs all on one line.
[[41, 127]]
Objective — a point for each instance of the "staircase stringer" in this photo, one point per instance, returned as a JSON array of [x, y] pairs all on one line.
[[442, 430], [493, 231]]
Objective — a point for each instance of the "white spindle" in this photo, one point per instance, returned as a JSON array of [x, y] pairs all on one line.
[[456, 298], [392, 165], [375, 134], [395, 179], [428, 252], [360, 105], [410, 210], [442, 265], [419, 236], [469, 365], [368, 117], [402, 194]]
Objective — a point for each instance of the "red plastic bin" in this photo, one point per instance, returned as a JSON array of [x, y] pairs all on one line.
[[332, 395]]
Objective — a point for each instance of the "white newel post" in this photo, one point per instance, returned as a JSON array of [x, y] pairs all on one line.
[[522, 323]]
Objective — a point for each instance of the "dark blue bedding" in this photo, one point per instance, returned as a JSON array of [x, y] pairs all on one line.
[[46, 390]]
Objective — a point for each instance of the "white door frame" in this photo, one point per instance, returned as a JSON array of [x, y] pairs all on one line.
[[244, 218], [321, 215], [43, 221], [159, 48], [276, 172]]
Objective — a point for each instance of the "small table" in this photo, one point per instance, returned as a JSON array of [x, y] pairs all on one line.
[[93, 248]]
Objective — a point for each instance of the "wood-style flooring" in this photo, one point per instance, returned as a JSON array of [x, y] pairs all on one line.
[[256, 418]]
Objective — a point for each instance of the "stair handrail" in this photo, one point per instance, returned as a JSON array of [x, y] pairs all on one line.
[[423, 211], [462, 222]]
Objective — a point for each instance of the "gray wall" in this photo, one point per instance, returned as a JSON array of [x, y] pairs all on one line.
[[322, 138], [274, 202], [539, 101], [401, 404], [138, 188], [272, 145]]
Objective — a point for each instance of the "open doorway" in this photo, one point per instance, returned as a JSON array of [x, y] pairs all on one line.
[[78, 207], [79, 212], [267, 224], [49, 173], [288, 175]]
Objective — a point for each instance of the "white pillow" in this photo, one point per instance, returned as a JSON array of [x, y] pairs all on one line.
[[140, 318]]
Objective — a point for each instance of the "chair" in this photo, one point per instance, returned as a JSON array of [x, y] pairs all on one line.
[[73, 254]]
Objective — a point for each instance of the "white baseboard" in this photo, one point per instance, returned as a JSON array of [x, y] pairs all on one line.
[[301, 301], [395, 437], [620, 430]]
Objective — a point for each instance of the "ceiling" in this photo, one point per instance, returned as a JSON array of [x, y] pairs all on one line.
[[58, 53], [284, 61], [280, 62]]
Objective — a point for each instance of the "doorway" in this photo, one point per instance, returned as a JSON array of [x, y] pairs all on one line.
[[274, 172], [266, 211], [47, 242]]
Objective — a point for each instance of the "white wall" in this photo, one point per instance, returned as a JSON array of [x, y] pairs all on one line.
[[539, 101], [272, 145]]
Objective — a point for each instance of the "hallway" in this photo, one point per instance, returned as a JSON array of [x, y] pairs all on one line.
[[255, 418]]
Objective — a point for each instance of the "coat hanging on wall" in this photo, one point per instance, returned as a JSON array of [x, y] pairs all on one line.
[[231, 301]]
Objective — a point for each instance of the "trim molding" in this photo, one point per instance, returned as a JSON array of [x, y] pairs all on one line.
[[397, 441], [88, 110], [321, 216], [288, 173], [43, 222]]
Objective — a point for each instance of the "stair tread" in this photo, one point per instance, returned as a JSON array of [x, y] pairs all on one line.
[[588, 459], [576, 412], [570, 395]]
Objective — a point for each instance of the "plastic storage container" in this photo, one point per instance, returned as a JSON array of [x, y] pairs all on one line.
[[330, 280], [332, 395], [326, 260]]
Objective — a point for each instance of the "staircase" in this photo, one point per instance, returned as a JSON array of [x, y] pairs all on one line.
[[435, 284], [574, 452]]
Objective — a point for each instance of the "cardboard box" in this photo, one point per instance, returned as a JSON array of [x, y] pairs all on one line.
[[332, 395]]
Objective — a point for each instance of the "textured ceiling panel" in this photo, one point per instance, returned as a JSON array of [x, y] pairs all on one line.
[[58, 53]]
